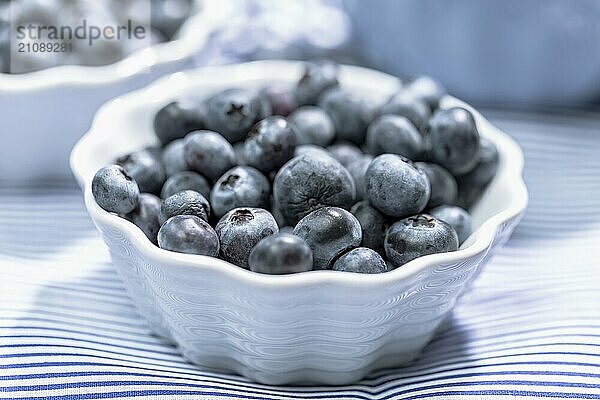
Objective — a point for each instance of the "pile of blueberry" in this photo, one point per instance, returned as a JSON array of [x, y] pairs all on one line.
[[166, 17], [310, 177]]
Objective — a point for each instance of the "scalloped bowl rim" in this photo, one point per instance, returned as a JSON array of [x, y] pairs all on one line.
[[479, 242], [191, 37]]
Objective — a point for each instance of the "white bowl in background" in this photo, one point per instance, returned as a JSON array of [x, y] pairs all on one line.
[[45, 112], [321, 326]]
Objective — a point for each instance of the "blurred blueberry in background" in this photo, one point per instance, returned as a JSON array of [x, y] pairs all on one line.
[[293, 29], [509, 53], [4, 35]]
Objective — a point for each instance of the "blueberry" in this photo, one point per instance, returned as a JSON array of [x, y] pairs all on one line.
[[177, 119], [154, 151], [188, 234], [427, 89], [311, 149], [395, 134], [41, 11], [208, 153], [289, 229], [406, 104], [358, 169], [114, 190], [168, 16], [312, 126], [185, 180], [443, 184], [173, 158], [238, 149], [4, 61], [281, 254], [186, 202], [147, 216], [280, 98], [104, 51], [418, 236], [277, 214], [458, 218], [309, 182], [329, 232], [241, 186], [349, 113], [145, 168], [240, 230], [316, 79], [373, 225], [454, 140], [395, 186], [4, 48], [346, 153], [265, 106], [389, 265], [270, 144], [472, 184], [233, 112], [271, 176], [361, 260]]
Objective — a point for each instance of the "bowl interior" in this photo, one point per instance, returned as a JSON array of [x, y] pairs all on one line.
[[125, 124]]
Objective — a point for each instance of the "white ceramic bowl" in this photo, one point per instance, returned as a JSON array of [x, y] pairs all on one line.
[[320, 326], [44, 113]]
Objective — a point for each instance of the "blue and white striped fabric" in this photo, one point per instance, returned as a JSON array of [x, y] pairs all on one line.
[[530, 329]]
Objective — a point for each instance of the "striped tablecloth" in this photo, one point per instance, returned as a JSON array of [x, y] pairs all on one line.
[[530, 329]]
